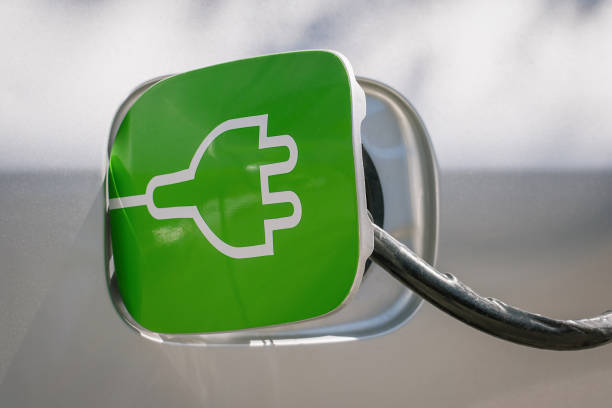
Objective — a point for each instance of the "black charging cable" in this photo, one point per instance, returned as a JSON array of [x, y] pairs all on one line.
[[489, 315]]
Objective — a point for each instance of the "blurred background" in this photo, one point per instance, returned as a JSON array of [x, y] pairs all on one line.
[[499, 84]]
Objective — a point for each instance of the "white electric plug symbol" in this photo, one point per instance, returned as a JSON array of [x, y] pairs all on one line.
[[267, 197]]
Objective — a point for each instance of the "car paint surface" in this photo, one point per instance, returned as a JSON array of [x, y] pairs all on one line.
[[516, 98]]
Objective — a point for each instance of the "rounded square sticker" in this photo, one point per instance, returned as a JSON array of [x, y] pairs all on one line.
[[236, 195]]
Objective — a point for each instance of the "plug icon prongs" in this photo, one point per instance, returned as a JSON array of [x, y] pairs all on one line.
[[267, 197]]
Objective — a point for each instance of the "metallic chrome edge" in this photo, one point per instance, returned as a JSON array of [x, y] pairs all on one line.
[[262, 336], [430, 253]]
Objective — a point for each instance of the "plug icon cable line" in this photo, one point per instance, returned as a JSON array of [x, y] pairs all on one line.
[[267, 197]]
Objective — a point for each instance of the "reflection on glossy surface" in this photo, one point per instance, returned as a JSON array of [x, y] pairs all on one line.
[[166, 235]]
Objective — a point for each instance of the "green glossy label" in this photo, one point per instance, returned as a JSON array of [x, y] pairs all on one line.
[[234, 201]]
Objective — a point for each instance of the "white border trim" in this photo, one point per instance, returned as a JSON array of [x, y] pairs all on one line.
[[366, 231]]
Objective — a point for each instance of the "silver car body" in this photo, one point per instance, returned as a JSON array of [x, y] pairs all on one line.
[[516, 97]]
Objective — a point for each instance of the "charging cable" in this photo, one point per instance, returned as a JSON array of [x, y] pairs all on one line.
[[489, 315]]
